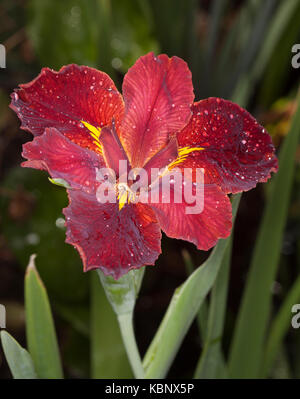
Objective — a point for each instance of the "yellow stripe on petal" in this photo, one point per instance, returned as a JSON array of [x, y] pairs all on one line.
[[183, 152], [187, 150], [95, 130], [95, 134]]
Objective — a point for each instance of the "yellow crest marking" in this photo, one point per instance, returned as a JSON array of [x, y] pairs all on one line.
[[183, 153], [95, 134], [125, 195], [122, 199]]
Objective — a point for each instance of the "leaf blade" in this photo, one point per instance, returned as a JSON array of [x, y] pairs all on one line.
[[211, 363], [19, 360], [183, 308], [248, 340], [40, 330], [280, 326]]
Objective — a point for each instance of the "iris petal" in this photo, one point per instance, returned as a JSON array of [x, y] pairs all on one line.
[[158, 94], [238, 152], [63, 99], [106, 238]]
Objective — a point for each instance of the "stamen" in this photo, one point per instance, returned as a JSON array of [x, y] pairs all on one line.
[[122, 199], [125, 195]]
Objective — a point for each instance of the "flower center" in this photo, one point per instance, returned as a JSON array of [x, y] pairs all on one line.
[[125, 194]]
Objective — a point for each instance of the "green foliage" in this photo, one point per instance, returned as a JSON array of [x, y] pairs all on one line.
[[18, 359], [212, 363], [248, 340], [240, 52], [62, 32], [182, 310], [40, 331], [98, 33], [279, 328]]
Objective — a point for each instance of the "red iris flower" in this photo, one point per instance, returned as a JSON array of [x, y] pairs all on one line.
[[81, 123]]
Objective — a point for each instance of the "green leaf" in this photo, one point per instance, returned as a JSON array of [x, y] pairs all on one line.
[[253, 43], [108, 356], [182, 310], [211, 363], [279, 327], [281, 21], [216, 12], [59, 182], [41, 336], [18, 359], [202, 315], [248, 340], [279, 64]]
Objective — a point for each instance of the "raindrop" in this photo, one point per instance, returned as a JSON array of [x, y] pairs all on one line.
[[32, 239], [60, 223]]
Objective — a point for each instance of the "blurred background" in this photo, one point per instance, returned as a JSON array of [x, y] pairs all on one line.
[[238, 50]]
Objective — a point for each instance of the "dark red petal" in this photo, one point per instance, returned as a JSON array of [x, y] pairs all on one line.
[[163, 157], [62, 99], [63, 159], [158, 94], [112, 240], [203, 229], [238, 152], [112, 148]]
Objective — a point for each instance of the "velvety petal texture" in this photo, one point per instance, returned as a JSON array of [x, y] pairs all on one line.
[[64, 159], [237, 151], [164, 157], [112, 148], [158, 94], [63, 99], [203, 229], [109, 239]]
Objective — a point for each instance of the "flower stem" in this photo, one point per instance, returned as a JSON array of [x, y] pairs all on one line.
[[126, 327]]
